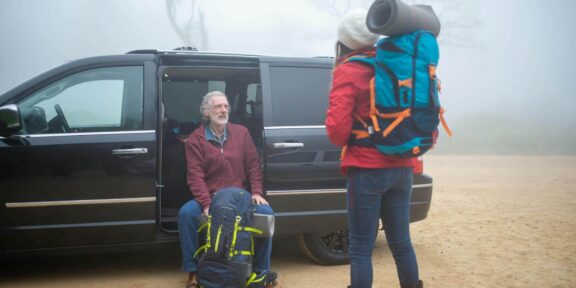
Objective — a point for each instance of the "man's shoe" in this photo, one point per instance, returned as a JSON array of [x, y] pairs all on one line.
[[264, 279]]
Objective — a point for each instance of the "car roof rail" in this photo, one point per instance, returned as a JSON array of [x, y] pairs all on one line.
[[144, 51], [186, 48]]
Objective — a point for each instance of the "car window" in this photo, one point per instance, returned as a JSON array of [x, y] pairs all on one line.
[[299, 95], [96, 100], [182, 99]]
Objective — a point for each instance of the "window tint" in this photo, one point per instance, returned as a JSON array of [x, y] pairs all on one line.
[[182, 98], [299, 95], [331, 156], [103, 99]]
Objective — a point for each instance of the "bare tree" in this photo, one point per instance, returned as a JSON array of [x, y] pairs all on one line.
[[187, 19]]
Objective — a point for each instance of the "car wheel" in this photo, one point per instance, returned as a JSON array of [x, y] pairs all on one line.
[[325, 248]]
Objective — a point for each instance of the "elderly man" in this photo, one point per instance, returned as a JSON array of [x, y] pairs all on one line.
[[219, 155]]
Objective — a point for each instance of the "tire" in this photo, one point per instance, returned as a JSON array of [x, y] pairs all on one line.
[[325, 248]]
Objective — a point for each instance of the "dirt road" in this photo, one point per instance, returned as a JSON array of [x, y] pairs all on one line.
[[495, 221]]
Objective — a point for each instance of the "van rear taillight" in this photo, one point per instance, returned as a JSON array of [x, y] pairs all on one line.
[[419, 166]]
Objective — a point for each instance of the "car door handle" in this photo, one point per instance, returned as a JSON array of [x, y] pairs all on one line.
[[287, 145], [130, 151]]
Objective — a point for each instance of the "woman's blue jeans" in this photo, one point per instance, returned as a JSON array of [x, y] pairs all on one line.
[[188, 224], [374, 194]]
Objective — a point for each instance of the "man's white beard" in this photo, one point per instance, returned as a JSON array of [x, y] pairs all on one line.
[[219, 121]]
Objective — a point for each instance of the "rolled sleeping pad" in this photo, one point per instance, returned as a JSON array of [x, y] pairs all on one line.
[[394, 17], [264, 222]]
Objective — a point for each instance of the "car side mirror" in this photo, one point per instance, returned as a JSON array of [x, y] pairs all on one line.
[[10, 120]]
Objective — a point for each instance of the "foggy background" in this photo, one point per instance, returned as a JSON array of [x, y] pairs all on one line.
[[506, 65]]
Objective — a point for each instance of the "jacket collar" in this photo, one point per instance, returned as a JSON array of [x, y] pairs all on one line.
[[367, 52], [210, 136]]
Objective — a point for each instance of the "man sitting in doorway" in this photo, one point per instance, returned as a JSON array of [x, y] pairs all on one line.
[[219, 154]]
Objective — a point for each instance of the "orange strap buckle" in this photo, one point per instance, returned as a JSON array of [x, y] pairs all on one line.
[[432, 71], [405, 83], [360, 134]]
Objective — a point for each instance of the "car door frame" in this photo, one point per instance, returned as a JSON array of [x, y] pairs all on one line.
[[140, 226]]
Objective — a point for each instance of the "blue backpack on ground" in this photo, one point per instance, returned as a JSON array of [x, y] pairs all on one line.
[[227, 258], [404, 107]]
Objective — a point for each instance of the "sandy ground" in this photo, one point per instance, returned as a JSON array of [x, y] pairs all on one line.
[[495, 221]]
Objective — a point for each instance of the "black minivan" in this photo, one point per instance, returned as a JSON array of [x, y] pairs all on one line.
[[91, 157]]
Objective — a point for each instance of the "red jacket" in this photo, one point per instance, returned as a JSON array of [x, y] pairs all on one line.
[[212, 167], [351, 94]]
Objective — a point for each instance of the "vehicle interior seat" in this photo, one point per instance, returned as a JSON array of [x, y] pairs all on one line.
[[253, 117], [175, 191]]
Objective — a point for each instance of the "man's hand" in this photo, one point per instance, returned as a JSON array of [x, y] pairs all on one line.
[[259, 200]]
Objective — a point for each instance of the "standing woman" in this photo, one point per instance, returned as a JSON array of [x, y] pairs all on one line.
[[378, 186]]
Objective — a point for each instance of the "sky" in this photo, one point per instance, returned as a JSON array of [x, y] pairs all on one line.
[[506, 65]]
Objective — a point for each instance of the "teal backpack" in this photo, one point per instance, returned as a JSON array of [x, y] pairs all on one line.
[[405, 109]]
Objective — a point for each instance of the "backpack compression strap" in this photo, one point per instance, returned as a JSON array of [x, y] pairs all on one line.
[[448, 131], [206, 226], [373, 110], [237, 228], [400, 116], [374, 114], [432, 72]]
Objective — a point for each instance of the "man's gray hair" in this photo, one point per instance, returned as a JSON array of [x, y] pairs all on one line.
[[207, 101]]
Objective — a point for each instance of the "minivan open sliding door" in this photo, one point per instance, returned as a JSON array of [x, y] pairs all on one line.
[[184, 81]]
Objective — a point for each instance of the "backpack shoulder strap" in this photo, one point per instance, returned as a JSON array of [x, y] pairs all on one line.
[[363, 56], [362, 59]]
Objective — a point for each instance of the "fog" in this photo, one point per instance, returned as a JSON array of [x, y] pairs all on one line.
[[506, 66]]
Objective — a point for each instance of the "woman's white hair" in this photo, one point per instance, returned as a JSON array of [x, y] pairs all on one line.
[[207, 101]]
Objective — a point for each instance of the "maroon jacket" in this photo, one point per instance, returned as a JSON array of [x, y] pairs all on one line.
[[212, 167]]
